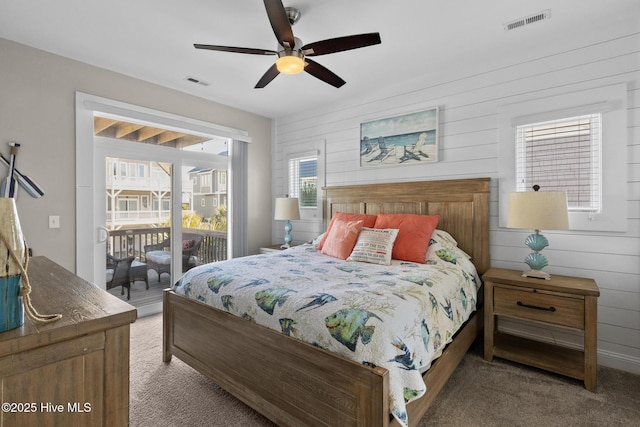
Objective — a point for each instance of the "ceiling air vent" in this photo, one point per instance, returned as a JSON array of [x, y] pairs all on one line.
[[531, 19], [196, 81]]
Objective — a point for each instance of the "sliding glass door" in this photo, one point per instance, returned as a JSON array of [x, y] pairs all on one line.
[[203, 163]]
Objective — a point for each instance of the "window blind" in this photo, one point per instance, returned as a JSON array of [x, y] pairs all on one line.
[[303, 180], [562, 155]]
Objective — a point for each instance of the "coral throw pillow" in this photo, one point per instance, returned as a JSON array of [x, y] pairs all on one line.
[[367, 221], [413, 238], [342, 238]]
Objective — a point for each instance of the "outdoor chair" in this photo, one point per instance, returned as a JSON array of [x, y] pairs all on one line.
[[118, 273], [158, 256]]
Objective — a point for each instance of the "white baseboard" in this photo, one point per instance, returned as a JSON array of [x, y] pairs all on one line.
[[619, 361], [149, 309], [605, 358]]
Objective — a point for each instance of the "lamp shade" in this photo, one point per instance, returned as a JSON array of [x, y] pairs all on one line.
[[539, 210], [286, 209]]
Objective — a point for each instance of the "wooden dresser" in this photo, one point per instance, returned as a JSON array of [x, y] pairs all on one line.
[[72, 372]]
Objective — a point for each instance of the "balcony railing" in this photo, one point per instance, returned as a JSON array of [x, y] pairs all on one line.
[[122, 243], [118, 218]]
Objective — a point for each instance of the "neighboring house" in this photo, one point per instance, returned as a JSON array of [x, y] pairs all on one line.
[[138, 194], [209, 190]]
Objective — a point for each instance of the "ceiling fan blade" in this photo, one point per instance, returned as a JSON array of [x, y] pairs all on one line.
[[321, 72], [279, 22], [236, 49], [271, 74], [340, 44]]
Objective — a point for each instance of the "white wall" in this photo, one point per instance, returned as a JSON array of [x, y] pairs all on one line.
[[468, 125], [37, 109]]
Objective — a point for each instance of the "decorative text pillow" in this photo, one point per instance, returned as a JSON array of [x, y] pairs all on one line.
[[413, 236], [374, 246], [341, 238]]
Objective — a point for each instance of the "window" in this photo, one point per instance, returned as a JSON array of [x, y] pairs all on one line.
[[562, 155], [303, 180], [301, 174], [127, 203], [203, 203], [575, 142]]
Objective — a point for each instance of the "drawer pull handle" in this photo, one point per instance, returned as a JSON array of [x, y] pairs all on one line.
[[521, 304]]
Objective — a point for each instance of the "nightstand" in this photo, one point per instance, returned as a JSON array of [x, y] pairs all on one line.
[[272, 248], [563, 301]]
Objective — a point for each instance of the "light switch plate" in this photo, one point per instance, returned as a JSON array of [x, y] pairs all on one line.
[[54, 221]]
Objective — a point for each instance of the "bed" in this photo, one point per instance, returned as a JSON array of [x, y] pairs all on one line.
[[296, 383]]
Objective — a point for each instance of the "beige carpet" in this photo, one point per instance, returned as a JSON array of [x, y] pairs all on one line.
[[478, 394]]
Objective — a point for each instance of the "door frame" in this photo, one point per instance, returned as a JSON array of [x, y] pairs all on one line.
[[90, 198]]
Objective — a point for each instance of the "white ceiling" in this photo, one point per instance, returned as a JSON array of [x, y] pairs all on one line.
[[421, 39]]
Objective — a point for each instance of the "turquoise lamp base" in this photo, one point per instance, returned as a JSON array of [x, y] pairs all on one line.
[[536, 261], [287, 236]]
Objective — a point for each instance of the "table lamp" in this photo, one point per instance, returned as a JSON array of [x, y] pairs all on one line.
[[537, 210], [286, 210]]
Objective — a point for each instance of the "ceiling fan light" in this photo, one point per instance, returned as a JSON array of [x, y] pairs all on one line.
[[290, 64]]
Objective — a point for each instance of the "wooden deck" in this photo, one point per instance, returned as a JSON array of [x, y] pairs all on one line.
[[140, 296]]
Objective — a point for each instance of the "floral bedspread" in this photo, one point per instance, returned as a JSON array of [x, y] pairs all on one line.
[[399, 317]]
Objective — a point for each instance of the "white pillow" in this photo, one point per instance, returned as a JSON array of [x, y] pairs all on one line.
[[374, 245], [444, 247], [317, 240]]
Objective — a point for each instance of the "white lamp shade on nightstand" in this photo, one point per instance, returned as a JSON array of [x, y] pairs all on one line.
[[538, 210], [287, 209]]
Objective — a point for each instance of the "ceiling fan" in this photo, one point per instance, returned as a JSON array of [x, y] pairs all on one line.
[[292, 54]]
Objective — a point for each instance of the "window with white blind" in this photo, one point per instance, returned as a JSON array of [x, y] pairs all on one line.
[[303, 180], [574, 142], [562, 155]]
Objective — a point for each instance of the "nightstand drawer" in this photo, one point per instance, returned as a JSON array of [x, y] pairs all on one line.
[[530, 304]]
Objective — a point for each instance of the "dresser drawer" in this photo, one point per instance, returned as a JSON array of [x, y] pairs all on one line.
[[530, 304]]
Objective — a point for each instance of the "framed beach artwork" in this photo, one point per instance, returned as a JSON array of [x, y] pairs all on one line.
[[408, 139]]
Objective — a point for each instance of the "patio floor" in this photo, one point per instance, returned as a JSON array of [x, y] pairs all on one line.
[[140, 296]]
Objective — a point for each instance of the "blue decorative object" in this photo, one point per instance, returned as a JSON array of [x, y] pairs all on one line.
[[287, 234], [12, 308], [536, 242], [536, 261], [11, 242]]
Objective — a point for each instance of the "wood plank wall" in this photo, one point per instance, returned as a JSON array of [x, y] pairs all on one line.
[[468, 102]]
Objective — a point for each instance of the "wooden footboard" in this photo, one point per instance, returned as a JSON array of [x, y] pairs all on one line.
[[288, 381]]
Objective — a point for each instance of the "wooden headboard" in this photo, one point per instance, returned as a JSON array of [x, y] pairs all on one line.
[[463, 206]]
